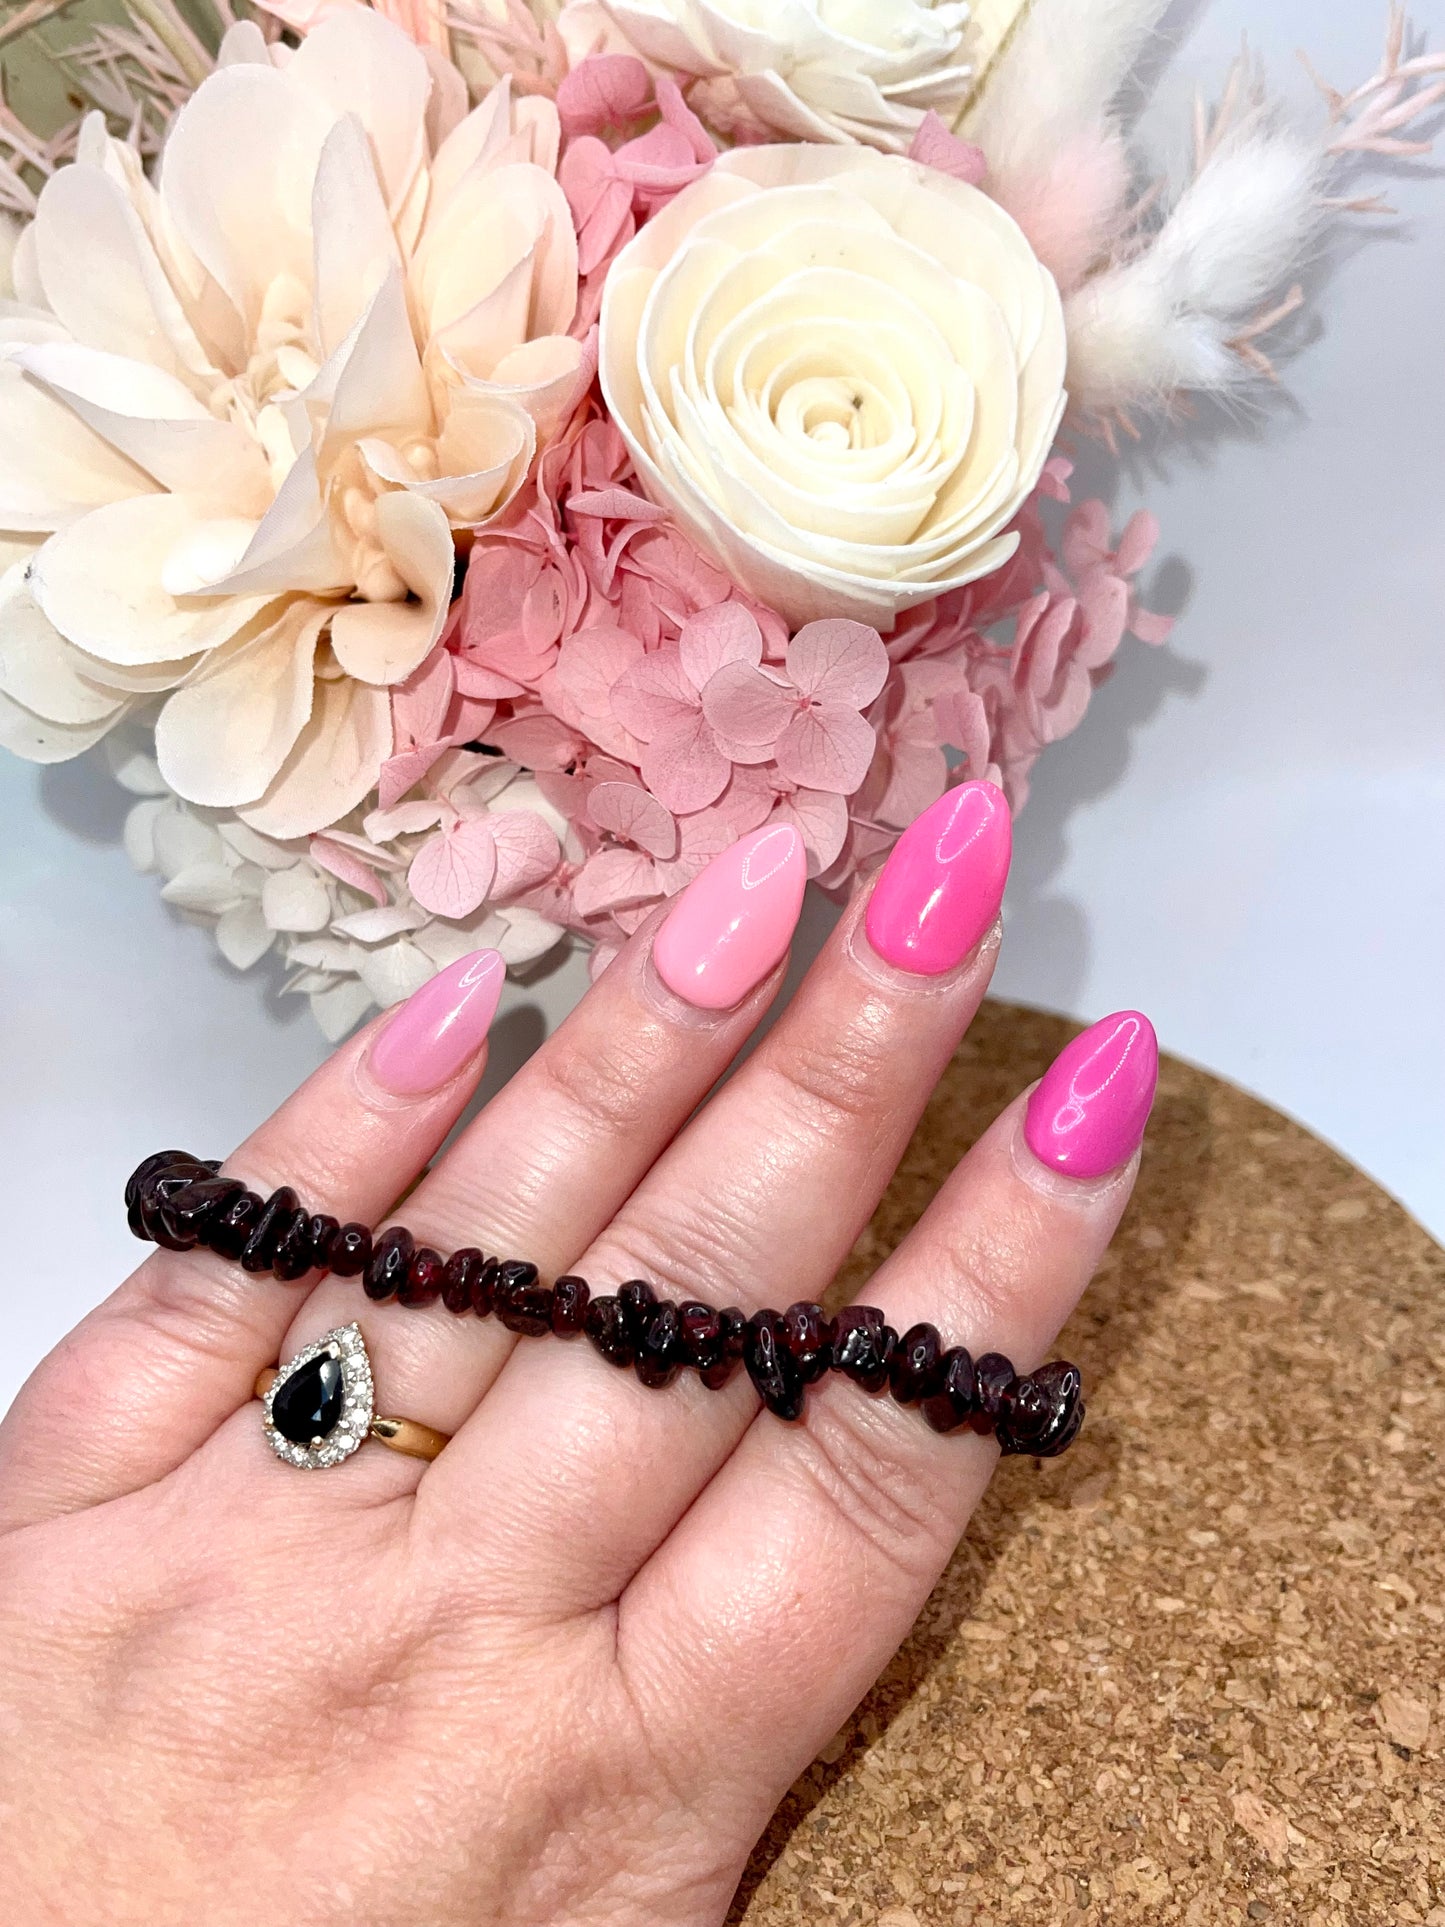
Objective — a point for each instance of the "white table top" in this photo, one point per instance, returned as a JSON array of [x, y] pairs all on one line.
[[1244, 839]]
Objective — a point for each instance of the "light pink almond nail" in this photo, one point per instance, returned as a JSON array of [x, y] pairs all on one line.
[[439, 1027], [734, 922]]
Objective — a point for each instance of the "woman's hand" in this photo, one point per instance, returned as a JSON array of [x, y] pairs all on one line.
[[564, 1673]]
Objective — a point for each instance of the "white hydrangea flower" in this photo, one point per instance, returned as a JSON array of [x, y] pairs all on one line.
[[812, 70], [344, 951]]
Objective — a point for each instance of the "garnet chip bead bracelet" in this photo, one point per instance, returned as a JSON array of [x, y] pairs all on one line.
[[178, 1201]]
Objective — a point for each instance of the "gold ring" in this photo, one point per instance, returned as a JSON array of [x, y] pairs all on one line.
[[321, 1405]]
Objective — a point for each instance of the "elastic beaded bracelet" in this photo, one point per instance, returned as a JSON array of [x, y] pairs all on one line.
[[178, 1201]]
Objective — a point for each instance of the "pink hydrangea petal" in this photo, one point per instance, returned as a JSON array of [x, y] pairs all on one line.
[[1054, 481], [400, 772], [586, 175], [347, 867], [821, 819], [654, 695], [610, 878], [477, 679], [826, 748], [620, 504], [629, 811], [1149, 627], [917, 777], [536, 741], [604, 90], [526, 847], [1066, 710], [836, 661], [590, 662], [452, 872], [1104, 599], [1136, 544], [684, 768], [728, 632], [673, 107], [746, 706], [935, 146], [419, 705], [1085, 540]]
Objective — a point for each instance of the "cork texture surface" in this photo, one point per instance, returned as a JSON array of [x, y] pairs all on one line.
[[1194, 1671]]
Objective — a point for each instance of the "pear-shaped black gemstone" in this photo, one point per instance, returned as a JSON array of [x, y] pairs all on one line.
[[308, 1404]]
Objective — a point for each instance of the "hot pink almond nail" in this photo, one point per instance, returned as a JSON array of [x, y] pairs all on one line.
[[943, 882], [733, 923], [1088, 1112], [439, 1027]]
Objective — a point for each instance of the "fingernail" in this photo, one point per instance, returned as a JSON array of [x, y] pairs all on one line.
[[943, 882], [733, 922], [1088, 1112], [439, 1027]]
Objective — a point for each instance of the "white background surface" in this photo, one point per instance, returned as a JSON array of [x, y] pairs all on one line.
[[1244, 838]]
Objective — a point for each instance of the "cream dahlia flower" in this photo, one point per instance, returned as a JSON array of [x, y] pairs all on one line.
[[840, 371], [813, 70], [243, 410]]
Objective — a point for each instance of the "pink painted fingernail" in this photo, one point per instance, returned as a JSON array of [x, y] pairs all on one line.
[[733, 923], [1088, 1112], [943, 882], [439, 1027]]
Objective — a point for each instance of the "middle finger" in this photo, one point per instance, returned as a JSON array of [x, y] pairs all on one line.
[[758, 1202]]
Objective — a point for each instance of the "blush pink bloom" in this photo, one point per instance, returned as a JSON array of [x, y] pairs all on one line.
[[686, 763]]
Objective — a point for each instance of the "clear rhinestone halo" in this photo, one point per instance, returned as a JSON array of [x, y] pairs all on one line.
[[345, 1409]]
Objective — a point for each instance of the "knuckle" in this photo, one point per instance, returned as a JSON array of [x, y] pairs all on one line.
[[192, 1304], [683, 1249], [834, 1082], [868, 1475], [602, 1085]]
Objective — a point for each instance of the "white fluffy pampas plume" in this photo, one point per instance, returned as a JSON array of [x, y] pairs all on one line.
[[1189, 293], [1056, 157], [1180, 312], [1174, 296]]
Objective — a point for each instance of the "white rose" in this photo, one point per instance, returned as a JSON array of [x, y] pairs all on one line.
[[840, 371], [832, 70]]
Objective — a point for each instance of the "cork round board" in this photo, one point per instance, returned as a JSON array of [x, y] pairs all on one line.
[[1194, 1671]]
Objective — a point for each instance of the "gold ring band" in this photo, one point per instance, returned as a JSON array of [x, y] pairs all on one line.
[[319, 1406]]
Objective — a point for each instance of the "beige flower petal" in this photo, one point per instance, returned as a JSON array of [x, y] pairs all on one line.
[[355, 247], [495, 221], [374, 380], [25, 734], [102, 276], [38, 667], [382, 642], [363, 65], [334, 765], [221, 739], [153, 419], [100, 582], [293, 549], [474, 144], [236, 179], [52, 467]]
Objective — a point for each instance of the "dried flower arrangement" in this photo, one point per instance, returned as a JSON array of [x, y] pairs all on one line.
[[471, 464]]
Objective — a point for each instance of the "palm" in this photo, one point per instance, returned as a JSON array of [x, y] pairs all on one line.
[[565, 1672]]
